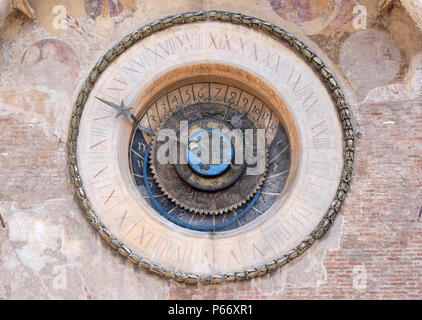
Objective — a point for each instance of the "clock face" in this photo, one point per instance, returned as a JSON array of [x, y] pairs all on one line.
[[210, 151], [197, 194]]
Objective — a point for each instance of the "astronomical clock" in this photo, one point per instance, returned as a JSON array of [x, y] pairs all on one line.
[[211, 147]]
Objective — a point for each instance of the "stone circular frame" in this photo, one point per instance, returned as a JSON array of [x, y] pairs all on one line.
[[215, 272]]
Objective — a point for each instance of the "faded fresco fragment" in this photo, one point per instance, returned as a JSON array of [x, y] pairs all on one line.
[[117, 9], [370, 58], [41, 60], [58, 15], [312, 16]]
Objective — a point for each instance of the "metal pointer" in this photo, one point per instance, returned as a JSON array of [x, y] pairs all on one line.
[[122, 110]]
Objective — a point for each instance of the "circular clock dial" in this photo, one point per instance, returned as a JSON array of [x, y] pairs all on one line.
[[187, 192], [198, 220]]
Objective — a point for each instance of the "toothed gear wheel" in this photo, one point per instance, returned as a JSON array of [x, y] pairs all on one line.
[[202, 187], [237, 120]]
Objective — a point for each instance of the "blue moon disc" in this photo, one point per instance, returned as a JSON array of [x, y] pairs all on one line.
[[200, 161]]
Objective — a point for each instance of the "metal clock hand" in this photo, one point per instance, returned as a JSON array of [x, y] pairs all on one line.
[[146, 130], [122, 110]]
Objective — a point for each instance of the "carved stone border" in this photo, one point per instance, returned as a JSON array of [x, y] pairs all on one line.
[[250, 22]]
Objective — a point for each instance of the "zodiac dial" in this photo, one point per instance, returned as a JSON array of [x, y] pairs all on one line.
[[201, 195]]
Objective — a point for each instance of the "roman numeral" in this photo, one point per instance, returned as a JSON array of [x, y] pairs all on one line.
[[97, 144], [99, 172], [108, 198], [122, 219], [322, 128]]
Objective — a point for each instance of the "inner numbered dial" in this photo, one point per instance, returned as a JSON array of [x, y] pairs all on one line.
[[195, 191]]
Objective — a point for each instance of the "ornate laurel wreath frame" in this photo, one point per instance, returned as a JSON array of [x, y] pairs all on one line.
[[250, 22]]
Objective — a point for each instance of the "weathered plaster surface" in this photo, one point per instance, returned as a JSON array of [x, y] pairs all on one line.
[[414, 7], [48, 249]]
